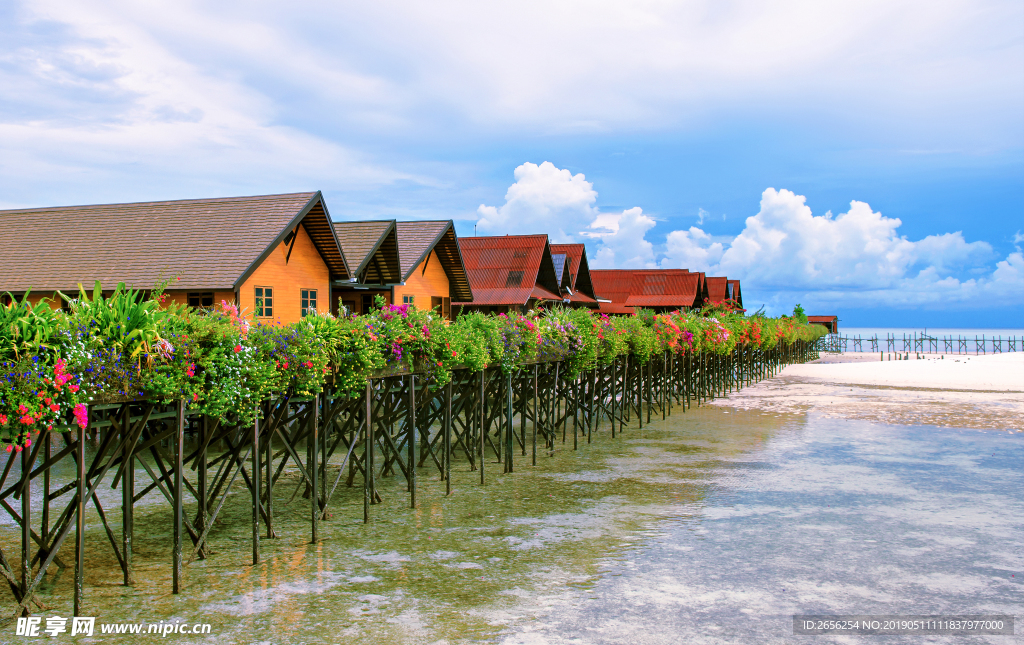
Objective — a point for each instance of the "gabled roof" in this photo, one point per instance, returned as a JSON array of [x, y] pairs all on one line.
[[562, 271], [211, 243], [718, 289], [415, 242], [372, 250], [736, 294], [579, 269], [504, 270], [628, 288]]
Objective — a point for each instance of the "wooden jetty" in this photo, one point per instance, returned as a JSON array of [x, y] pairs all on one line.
[[398, 426]]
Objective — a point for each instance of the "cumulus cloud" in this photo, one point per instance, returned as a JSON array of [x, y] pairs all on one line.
[[547, 199], [543, 198], [784, 254], [855, 258]]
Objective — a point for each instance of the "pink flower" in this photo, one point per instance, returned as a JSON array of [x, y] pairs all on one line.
[[3, 419], [82, 415], [28, 442], [8, 447]]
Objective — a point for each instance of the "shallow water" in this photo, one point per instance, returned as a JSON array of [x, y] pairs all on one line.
[[714, 526]]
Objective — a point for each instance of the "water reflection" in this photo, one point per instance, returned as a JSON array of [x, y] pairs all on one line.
[[709, 527]]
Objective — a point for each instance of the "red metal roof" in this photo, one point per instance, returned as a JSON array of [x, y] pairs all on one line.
[[821, 319], [505, 270], [579, 270], [737, 295], [646, 287], [718, 289]]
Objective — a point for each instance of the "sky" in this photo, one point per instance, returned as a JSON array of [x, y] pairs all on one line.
[[862, 158]]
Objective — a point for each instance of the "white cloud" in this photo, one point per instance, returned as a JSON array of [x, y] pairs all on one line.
[[546, 199], [857, 258]]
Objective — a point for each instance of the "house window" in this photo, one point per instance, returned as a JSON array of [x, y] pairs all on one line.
[[409, 300], [515, 279], [436, 304], [367, 303], [200, 299], [265, 302], [308, 297]]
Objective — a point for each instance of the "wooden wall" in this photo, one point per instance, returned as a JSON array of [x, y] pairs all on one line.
[[304, 270], [424, 285]]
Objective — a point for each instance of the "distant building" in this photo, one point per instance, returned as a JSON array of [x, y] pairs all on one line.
[[622, 291], [831, 323], [276, 256]]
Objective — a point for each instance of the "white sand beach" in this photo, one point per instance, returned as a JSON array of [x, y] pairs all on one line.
[[997, 372], [954, 391]]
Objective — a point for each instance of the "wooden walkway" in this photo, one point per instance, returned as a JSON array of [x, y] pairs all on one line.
[[397, 426]]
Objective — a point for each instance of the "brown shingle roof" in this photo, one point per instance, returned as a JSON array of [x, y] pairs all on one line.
[[212, 243], [371, 248], [417, 239]]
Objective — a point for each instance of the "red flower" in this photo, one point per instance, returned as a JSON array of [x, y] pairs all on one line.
[[238, 348]]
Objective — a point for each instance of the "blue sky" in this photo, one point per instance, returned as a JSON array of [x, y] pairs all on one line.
[[778, 144]]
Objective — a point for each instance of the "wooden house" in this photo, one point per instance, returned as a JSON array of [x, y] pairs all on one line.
[[371, 248], [273, 255], [581, 287], [734, 293], [718, 289], [509, 273], [623, 291], [433, 273], [831, 323]]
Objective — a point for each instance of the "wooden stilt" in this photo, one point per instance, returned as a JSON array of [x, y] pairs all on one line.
[[179, 452]]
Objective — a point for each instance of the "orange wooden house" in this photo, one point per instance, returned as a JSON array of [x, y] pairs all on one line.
[[273, 255], [371, 248], [433, 273]]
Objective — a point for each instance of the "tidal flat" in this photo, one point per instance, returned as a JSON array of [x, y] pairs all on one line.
[[714, 526]]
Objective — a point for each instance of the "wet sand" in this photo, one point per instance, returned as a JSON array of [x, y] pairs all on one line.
[[714, 526], [982, 392]]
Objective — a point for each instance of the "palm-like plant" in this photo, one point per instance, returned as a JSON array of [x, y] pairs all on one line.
[[25, 329], [126, 320]]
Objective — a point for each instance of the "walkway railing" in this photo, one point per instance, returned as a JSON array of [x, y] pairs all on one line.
[[397, 427], [921, 344]]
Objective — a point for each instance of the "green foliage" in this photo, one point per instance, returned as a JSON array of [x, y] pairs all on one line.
[[126, 345], [126, 321], [799, 315], [26, 330]]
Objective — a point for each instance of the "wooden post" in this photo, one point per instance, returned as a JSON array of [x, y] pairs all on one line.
[[46, 498], [204, 432], [448, 438], [593, 395], [411, 421], [615, 365], [576, 412], [269, 473], [367, 454], [536, 413], [256, 489], [314, 471], [26, 519], [179, 452], [482, 386], [509, 438], [80, 524], [127, 496]]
